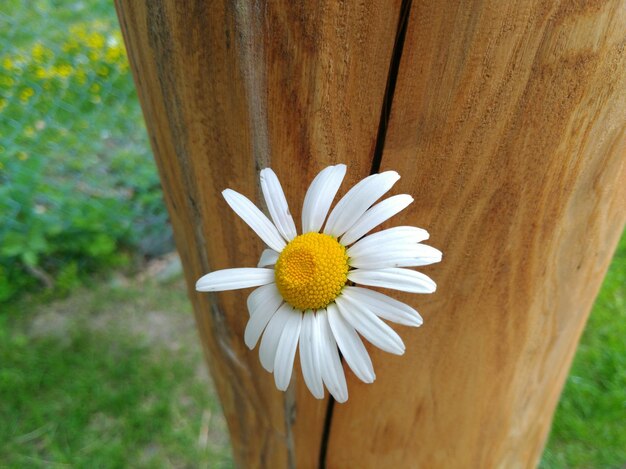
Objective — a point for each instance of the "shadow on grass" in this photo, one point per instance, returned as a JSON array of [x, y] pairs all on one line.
[[108, 378]]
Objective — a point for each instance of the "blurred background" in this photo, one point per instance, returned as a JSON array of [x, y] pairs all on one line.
[[100, 365]]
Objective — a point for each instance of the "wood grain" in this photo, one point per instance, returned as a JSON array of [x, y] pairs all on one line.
[[228, 88], [508, 126]]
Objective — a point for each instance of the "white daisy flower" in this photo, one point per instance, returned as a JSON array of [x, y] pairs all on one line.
[[307, 297]]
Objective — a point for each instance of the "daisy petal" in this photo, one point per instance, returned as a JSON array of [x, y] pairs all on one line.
[[399, 255], [310, 354], [376, 215], [277, 204], [271, 336], [320, 195], [268, 257], [390, 236], [262, 304], [370, 326], [351, 346], [286, 351], [357, 200], [394, 278], [384, 306], [263, 296], [332, 370], [255, 219], [234, 279]]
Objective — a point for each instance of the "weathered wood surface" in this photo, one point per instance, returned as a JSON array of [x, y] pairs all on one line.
[[228, 88], [507, 125]]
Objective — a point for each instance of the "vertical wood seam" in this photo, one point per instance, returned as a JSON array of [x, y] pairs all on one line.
[[326, 431], [385, 111], [394, 67]]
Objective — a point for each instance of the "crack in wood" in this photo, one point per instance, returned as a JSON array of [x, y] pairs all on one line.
[[392, 76], [394, 66]]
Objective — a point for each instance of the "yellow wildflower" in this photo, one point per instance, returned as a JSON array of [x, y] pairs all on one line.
[[26, 94], [81, 76], [95, 41], [7, 63], [41, 73], [63, 71], [114, 53], [38, 52]]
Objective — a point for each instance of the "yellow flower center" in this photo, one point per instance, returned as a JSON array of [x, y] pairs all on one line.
[[311, 271]]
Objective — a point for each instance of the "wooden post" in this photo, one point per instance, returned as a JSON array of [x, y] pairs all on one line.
[[506, 121]]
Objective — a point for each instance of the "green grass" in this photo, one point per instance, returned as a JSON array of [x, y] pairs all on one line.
[[107, 378], [589, 429]]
